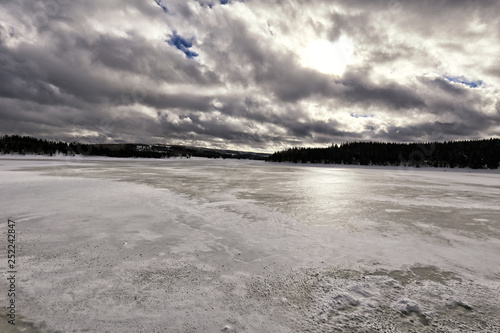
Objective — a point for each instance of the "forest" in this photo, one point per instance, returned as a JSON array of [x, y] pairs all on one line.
[[475, 154], [26, 145]]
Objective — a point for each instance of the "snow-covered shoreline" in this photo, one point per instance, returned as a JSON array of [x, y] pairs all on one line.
[[316, 165]]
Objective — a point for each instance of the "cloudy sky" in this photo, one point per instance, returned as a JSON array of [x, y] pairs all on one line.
[[253, 75]]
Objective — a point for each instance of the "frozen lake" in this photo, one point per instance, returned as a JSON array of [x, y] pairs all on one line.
[[198, 245]]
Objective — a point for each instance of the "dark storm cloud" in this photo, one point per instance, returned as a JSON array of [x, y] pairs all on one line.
[[390, 94], [445, 86], [327, 128], [494, 70], [440, 131], [232, 71], [138, 56], [184, 101]]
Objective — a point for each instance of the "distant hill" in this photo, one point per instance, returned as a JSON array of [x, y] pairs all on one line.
[[475, 154], [29, 145]]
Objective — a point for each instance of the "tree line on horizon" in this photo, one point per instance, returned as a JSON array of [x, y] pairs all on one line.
[[16, 144], [475, 154]]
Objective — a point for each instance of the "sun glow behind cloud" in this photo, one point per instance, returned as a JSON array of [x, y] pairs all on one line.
[[328, 57]]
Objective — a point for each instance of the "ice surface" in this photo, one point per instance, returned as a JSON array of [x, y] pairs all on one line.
[[198, 245]]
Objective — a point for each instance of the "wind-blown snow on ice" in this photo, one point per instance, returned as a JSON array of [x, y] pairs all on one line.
[[126, 245]]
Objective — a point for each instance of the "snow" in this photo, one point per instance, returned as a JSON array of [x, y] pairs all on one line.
[[127, 245]]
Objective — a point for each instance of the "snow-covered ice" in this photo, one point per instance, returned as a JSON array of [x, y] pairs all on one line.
[[199, 245]]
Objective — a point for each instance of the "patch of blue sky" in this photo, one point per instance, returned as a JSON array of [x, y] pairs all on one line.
[[206, 3], [463, 80], [162, 5], [182, 44], [210, 4], [355, 115]]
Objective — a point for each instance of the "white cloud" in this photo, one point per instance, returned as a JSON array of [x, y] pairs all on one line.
[[276, 72]]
